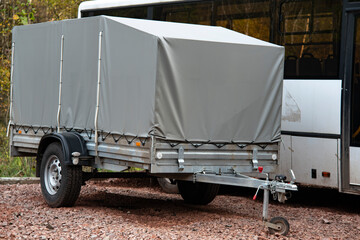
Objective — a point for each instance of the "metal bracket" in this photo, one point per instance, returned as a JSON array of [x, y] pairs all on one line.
[[181, 159], [254, 159], [272, 225], [293, 178]]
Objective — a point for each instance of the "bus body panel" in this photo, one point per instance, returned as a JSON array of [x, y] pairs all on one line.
[[354, 153], [309, 158], [311, 130], [311, 106]]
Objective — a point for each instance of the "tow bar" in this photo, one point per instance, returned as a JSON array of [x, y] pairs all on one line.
[[277, 187]]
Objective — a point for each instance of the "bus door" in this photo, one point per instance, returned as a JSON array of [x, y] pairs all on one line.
[[351, 175]]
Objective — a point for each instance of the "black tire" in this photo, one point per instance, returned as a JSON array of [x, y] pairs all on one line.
[[282, 223], [198, 193], [60, 183], [168, 185]]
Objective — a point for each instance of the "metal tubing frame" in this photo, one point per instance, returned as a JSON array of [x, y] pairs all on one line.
[[246, 181], [60, 81], [98, 95], [11, 88], [241, 180], [266, 205], [266, 201]]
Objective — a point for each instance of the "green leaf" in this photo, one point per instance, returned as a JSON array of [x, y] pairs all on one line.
[[24, 20], [32, 16]]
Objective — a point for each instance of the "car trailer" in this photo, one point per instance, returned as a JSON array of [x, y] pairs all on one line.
[[198, 104]]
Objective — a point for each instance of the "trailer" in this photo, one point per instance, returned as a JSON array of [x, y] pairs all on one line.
[[198, 104]]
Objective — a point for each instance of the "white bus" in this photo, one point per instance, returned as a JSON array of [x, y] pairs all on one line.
[[321, 95]]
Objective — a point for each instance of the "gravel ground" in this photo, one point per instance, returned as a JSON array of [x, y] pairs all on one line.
[[137, 209]]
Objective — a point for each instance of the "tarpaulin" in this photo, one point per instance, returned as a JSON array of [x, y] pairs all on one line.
[[180, 82]]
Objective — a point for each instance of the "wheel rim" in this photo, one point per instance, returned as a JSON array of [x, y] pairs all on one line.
[[282, 226], [52, 175]]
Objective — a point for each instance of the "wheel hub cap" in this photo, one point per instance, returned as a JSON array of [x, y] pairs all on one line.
[[52, 175]]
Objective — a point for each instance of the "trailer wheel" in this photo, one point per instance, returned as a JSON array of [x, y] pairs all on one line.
[[60, 183], [168, 185], [198, 193], [282, 223]]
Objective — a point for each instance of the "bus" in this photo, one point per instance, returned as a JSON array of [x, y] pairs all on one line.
[[321, 88]]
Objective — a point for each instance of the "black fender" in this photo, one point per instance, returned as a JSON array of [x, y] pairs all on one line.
[[70, 142]]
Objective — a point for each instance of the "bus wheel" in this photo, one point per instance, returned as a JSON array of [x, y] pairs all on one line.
[[60, 183], [198, 193]]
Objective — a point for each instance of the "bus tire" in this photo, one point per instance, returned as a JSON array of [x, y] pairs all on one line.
[[198, 193], [60, 183]]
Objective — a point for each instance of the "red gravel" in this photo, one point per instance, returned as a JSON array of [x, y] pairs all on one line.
[[116, 209]]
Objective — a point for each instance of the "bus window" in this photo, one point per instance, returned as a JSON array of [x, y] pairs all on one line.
[[309, 29], [133, 12], [251, 17], [310, 32], [193, 12]]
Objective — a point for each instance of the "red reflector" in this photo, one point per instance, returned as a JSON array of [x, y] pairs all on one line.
[[325, 174], [254, 197], [261, 169]]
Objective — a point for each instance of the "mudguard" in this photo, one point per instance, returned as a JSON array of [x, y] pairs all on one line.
[[70, 142]]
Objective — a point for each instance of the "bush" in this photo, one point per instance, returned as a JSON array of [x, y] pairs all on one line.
[[13, 167]]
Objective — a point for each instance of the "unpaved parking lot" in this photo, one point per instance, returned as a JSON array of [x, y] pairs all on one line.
[[138, 209]]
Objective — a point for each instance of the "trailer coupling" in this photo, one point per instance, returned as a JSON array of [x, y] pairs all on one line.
[[279, 189]]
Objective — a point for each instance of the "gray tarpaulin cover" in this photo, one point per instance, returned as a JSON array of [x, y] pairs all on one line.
[[177, 81]]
